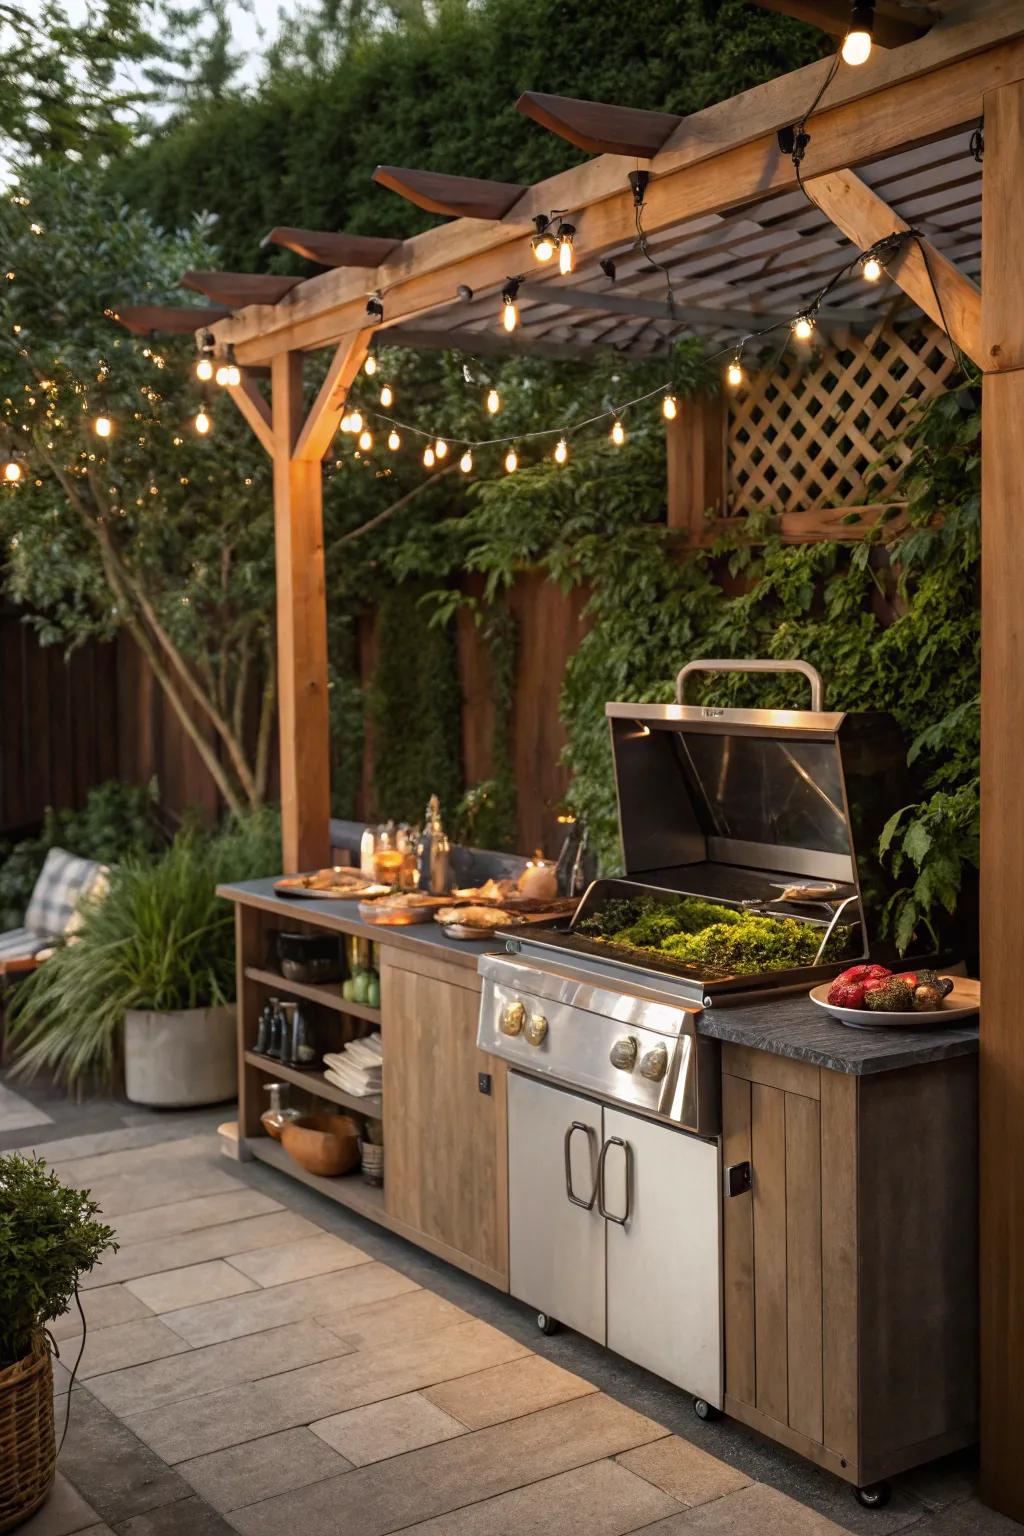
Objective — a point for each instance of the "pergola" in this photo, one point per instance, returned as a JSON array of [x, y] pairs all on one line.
[[746, 244]]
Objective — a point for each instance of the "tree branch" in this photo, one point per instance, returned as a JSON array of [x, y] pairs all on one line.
[[396, 506]]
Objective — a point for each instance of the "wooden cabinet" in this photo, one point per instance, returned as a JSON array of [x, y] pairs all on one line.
[[850, 1263], [446, 1159]]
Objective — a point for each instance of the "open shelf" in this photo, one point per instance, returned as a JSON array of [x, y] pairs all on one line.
[[348, 1189], [315, 1082], [326, 996]]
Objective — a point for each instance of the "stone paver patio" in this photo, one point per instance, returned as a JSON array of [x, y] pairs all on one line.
[[248, 1369]]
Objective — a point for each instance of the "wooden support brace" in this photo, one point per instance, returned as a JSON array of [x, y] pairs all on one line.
[[255, 409], [925, 275], [329, 405], [695, 464]]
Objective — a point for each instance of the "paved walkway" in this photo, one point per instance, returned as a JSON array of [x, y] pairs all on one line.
[[247, 1369]]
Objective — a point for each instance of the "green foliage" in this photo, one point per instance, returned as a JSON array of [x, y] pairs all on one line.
[[416, 710], [49, 1236], [117, 819], [160, 939]]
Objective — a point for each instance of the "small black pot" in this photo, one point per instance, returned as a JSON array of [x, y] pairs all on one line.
[[310, 957]]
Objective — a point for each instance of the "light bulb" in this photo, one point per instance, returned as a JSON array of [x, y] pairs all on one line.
[[346, 423], [871, 269], [857, 46], [543, 247], [202, 423], [734, 374], [511, 462], [366, 439], [387, 396], [670, 407], [234, 376], [204, 369], [221, 376], [510, 315], [466, 462], [566, 255], [618, 433], [394, 441], [370, 366], [441, 448], [428, 457], [103, 426], [12, 471], [803, 327], [493, 401], [561, 451], [355, 421]]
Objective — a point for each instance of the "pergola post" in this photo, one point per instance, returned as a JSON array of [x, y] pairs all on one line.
[[1002, 806], [303, 716]]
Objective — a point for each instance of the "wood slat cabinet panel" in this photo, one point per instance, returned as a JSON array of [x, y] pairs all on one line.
[[446, 1170], [738, 1245], [803, 1264], [768, 1161]]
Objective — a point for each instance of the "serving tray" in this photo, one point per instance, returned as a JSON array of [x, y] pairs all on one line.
[[962, 1002]]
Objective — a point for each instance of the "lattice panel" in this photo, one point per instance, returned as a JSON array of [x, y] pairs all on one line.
[[804, 435]]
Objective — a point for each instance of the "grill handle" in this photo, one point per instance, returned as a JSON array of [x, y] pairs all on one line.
[[577, 1125], [812, 674]]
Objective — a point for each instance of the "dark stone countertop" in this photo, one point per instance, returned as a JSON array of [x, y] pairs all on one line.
[[793, 1026]]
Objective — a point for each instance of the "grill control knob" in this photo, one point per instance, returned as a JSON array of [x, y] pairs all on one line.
[[536, 1029], [512, 1019], [654, 1063], [623, 1053]]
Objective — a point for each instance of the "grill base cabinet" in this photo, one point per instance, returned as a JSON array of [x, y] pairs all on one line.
[[643, 1277], [850, 1264]]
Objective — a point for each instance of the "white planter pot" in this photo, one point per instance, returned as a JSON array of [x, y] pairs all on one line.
[[176, 1060]]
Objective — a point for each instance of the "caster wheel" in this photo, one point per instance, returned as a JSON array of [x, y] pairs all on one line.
[[874, 1496], [705, 1411], [547, 1324]]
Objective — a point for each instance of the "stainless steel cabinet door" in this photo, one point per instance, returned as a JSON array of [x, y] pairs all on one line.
[[664, 1305], [556, 1247]]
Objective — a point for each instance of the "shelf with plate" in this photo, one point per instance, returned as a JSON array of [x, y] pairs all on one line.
[[314, 1082], [326, 996]]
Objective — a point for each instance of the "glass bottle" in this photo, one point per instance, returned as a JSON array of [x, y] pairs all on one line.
[[276, 1029], [432, 851], [278, 1115], [262, 1046], [303, 1047]]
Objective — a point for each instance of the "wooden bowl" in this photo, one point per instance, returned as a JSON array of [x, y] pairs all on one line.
[[323, 1144]]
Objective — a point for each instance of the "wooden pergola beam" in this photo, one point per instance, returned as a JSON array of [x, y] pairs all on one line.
[[328, 408], [709, 166], [682, 313], [166, 319], [599, 127], [461, 197], [894, 24], [925, 275], [333, 249], [236, 289], [254, 409]]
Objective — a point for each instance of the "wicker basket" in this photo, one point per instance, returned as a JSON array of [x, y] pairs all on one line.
[[27, 1452], [372, 1158]]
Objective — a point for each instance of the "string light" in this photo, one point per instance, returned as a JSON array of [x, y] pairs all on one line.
[[871, 269], [387, 396], [511, 462], [856, 47], [221, 376], [493, 401], [12, 471], [346, 422], [394, 441], [618, 433], [466, 462], [428, 457], [561, 454], [441, 449], [204, 369], [542, 245], [734, 373], [370, 366], [234, 375], [509, 307], [803, 327], [103, 426], [355, 421], [670, 407], [366, 439], [566, 250], [202, 423]]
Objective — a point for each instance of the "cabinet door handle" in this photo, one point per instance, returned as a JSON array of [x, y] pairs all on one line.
[[627, 1152], [588, 1131]]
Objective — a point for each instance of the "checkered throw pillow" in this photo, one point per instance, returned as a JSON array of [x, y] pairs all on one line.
[[17, 943], [62, 883]]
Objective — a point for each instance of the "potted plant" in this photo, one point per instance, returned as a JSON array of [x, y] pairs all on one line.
[[149, 980], [48, 1237]]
